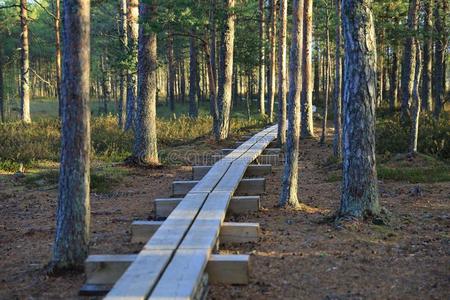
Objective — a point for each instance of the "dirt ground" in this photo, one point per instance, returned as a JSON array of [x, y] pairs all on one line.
[[298, 256]]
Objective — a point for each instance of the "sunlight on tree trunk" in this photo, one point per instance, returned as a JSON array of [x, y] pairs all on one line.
[[282, 87], [25, 65], [133, 32]]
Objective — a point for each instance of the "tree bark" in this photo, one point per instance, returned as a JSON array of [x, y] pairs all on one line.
[[307, 126], [211, 66], [225, 73], [393, 82], [171, 72], [289, 195], [327, 78], [359, 185], [193, 84], [380, 68], [282, 86], [145, 143], [409, 60], [133, 32], [337, 94], [427, 54], [123, 74], [25, 65], [272, 58], [262, 61], [2, 93], [182, 81], [440, 46], [415, 109], [70, 247], [57, 27]]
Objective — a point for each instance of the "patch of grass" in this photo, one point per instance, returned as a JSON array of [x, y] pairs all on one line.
[[333, 177], [415, 175]]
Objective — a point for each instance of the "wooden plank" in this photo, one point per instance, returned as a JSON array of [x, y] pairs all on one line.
[[238, 205], [140, 230], [251, 186], [106, 269], [228, 269], [232, 232], [265, 151], [182, 187], [252, 170], [246, 186], [272, 159], [94, 290]]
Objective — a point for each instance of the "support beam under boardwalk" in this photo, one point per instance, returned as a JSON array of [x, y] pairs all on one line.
[[247, 186], [253, 170], [102, 271], [231, 232]]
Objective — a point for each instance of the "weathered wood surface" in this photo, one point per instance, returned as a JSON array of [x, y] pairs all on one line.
[[252, 170], [246, 186]]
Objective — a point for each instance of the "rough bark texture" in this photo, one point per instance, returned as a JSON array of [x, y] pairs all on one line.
[[282, 86], [289, 191], [225, 73], [24, 65], [337, 94], [133, 32], [171, 73], [416, 105], [57, 27], [272, 58], [427, 54], [70, 248], [307, 126], [121, 114], [193, 84], [262, 61], [327, 79], [145, 144], [440, 46], [393, 81], [359, 185], [409, 60]]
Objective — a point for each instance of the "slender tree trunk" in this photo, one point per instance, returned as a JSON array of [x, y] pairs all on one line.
[[57, 27], [2, 94], [317, 74], [249, 94], [123, 75], [409, 60], [226, 73], [262, 61], [427, 54], [106, 84], [337, 94], [289, 195], [182, 81], [440, 46], [70, 247], [359, 185], [415, 109], [193, 109], [171, 72], [25, 65], [272, 58], [211, 66], [145, 143], [327, 78], [282, 86], [307, 126], [393, 82], [133, 32], [380, 68]]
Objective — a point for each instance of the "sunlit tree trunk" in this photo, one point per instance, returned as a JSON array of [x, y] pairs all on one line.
[[359, 177], [25, 65], [327, 78], [427, 54], [70, 247], [171, 72], [225, 72], [121, 114], [57, 28], [337, 94], [133, 32], [282, 86], [145, 144], [440, 46], [211, 66], [272, 58], [380, 69], [307, 126], [262, 61], [193, 84], [416, 105], [409, 60], [289, 191]]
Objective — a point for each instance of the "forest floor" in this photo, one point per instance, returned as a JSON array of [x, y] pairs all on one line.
[[299, 256]]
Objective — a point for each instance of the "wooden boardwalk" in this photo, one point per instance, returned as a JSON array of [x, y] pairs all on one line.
[[177, 262]]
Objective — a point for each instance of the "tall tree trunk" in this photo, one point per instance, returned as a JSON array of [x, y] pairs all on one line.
[[2, 94], [380, 68], [262, 61], [282, 86], [317, 74], [193, 109], [307, 126], [393, 81], [133, 32], [416, 105], [337, 94], [272, 58], [327, 77], [145, 143], [409, 60], [123, 74], [427, 54], [182, 81], [106, 84], [25, 65], [359, 183], [70, 247], [211, 66], [440, 46], [171, 72], [57, 27], [289, 195], [225, 73]]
